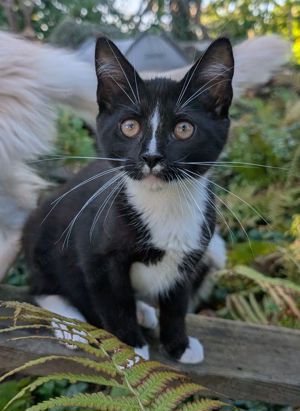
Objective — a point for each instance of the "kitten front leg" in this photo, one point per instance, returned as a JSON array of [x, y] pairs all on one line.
[[113, 298], [173, 308]]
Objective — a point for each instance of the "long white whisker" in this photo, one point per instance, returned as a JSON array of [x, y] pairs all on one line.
[[119, 188], [231, 163], [77, 158], [102, 207], [94, 177], [185, 86], [195, 202], [70, 226], [88, 180], [177, 188], [236, 196], [136, 86], [200, 91], [234, 215], [179, 180], [122, 88], [241, 199], [184, 192], [213, 204], [207, 83], [123, 71]]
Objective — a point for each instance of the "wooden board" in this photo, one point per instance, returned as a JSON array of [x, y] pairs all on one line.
[[242, 361]]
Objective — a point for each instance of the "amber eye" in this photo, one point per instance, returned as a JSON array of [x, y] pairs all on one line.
[[130, 128], [183, 130]]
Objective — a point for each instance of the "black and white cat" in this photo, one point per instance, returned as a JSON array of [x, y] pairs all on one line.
[[134, 227]]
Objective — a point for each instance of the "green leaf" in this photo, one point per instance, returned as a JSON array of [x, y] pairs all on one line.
[[9, 390], [95, 401]]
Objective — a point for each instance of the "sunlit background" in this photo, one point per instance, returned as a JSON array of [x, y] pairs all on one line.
[[184, 20], [265, 130]]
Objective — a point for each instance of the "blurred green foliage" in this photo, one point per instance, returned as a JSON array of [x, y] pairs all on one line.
[[74, 138], [9, 389]]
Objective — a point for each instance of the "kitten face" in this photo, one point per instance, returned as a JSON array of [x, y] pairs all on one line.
[[160, 126]]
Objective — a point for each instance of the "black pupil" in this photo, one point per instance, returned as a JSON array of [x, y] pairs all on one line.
[[184, 127]]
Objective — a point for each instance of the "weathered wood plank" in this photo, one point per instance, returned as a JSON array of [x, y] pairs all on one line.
[[242, 361]]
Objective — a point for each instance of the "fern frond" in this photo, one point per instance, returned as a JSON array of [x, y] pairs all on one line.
[[151, 386], [104, 367], [95, 401], [72, 378], [249, 306], [142, 370], [202, 405], [257, 276], [173, 397], [157, 383], [124, 356]]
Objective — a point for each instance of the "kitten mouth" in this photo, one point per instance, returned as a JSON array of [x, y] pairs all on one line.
[[152, 173], [151, 178]]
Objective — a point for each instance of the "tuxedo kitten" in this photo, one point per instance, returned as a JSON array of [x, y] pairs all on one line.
[[133, 227]]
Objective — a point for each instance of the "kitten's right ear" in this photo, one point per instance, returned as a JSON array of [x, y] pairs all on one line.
[[117, 78], [210, 78]]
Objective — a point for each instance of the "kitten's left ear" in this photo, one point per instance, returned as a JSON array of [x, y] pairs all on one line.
[[117, 78], [210, 77]]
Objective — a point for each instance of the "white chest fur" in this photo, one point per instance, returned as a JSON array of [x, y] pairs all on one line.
[[174, 219]]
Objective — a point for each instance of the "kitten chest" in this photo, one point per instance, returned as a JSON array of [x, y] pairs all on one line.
[[175, 220]]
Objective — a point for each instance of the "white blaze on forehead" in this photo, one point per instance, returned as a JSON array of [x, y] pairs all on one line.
[[152, 148]]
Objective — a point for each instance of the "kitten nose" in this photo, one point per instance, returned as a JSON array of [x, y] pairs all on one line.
[[151, 159]]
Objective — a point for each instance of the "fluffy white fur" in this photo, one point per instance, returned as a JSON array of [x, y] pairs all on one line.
[[174, 220], [194, 353], [146, 315], [35, 78], [256, 60]]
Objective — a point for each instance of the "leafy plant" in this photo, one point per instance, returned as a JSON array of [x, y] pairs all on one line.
[[73, 138], [262, 299], [9, 390], [107, 362]]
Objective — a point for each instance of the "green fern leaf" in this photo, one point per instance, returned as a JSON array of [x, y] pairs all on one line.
[[202, 405], [140, 372], [173, 397], [110, 344], [89, 349], [73, 378], [150, 385], [258, 277], [124, 356], [105, 367], [95, 401], [157, 383]]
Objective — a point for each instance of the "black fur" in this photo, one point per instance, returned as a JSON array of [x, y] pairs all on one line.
[[92, 271]]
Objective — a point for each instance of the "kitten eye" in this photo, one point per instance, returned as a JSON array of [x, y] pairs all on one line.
[[130, 128], [183, 130]]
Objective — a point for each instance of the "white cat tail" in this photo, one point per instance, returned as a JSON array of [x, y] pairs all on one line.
[[34, 79], [256, 60]]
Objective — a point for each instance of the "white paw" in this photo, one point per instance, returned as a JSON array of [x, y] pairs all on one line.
[[143, 351], [194, 353], [146, 315], [61, 332], [216, 251]]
